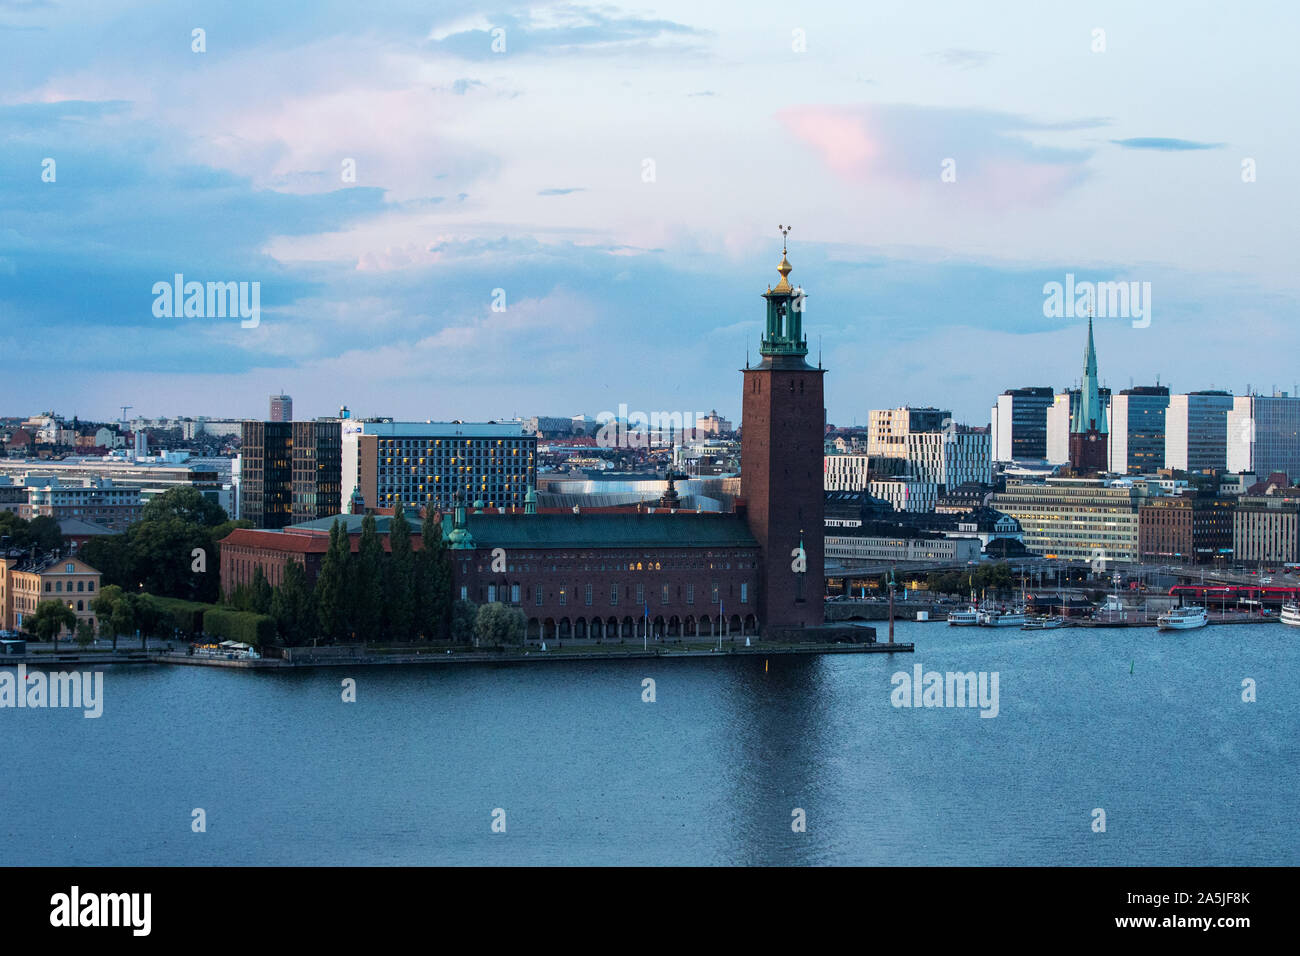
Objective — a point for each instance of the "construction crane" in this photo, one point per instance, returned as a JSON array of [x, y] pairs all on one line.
[[124, 409]]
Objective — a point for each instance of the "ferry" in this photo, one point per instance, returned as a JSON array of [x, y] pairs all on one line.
[[967, 618], [1291, 614], [1183, 618], [1003, 618]]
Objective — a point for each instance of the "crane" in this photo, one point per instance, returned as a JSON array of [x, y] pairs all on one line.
[[124, 409]]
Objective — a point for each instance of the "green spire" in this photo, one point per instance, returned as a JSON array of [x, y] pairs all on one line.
[[1088, 413]]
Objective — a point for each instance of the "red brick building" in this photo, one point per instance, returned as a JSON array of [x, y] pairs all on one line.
[[673, 573]]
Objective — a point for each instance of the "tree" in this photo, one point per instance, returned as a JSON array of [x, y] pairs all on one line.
[[433, 582], [85, 633], [332, 605], [104, 605], [464, 619], [496, 624], [292, 606], [187, 504], [42, 532], [259, 592], [46, 535], [399, 601], [368, 583], [49, 620]]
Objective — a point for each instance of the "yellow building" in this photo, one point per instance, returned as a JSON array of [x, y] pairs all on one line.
[[26, 581]]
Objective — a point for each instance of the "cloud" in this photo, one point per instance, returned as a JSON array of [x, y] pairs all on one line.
[[964, 59], [462, 86], [1164, 144], [995, 161], [564, 30], [561, 192]]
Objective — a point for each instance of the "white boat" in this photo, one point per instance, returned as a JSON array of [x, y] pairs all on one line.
[[1183, 618], [1043, 623], [1291, 614], [967, 618], [1002, 618]]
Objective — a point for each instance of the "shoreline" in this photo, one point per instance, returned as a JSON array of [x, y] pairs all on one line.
[[433, 658]]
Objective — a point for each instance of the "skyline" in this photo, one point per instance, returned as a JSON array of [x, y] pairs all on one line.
[[524, 171]]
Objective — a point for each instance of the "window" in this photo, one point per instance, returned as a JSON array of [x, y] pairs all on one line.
[[690, 594], [70, 568], [640, 594], [665, 595], [744, 592], [588, 594], [81, 585], [464, 593], [713, 593], [564, 595], [492, 593], [613, 595], [539, 597], [514, 594]]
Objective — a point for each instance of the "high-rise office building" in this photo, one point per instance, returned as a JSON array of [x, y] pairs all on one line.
[[1019, 424], [423, 464], [888, 428], [1196, 431], [281, 408], [1263, 434], [290, 472], [1137, 430]]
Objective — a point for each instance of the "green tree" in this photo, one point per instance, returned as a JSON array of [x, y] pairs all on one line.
[[104, 605], [496, 625], [368, 584], [49, 620], [187, 504], [399, 601], [259, 592], [46, 535], [292, 606], [433, 582], [332, 604], [85, 633], [464, 620]]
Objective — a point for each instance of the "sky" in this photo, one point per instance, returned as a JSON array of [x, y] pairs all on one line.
[[477, 211]]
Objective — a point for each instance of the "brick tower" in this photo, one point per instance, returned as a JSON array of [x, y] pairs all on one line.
[[782, 433]]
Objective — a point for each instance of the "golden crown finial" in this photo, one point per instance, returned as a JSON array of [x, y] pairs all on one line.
[[784, 268]]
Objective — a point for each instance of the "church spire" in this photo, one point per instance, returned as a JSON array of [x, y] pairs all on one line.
[[1088, 413]]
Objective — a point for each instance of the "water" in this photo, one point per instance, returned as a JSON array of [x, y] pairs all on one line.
[[708, 774]]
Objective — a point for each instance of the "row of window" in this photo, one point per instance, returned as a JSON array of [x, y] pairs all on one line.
[[81, 586], [498, 593]]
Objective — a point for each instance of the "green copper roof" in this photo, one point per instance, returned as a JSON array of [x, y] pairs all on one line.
[[610, 531], [580, 530]]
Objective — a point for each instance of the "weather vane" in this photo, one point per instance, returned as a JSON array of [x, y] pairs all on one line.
[[785, 231]]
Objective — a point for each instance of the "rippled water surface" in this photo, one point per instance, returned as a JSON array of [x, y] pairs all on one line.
[[1186, 772]]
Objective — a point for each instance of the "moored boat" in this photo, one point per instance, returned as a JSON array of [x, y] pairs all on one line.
[[1002, 618], [1183, 618], [1290, 614], [967, 618], [1043, 623]]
